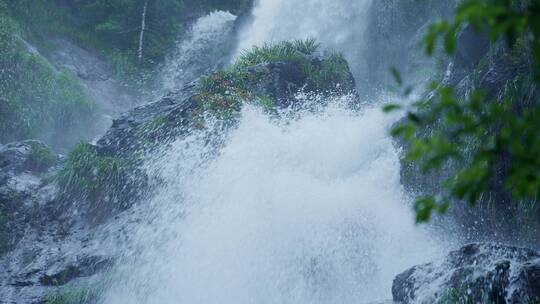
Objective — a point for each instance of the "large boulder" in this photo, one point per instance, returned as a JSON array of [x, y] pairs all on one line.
[[144, 126], [175, 113], [476, 273]]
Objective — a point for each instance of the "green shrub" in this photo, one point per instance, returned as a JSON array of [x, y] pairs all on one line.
[[113, 28], [36, 101], [224, 92], [492, 132], [88, 175], [332, 70], [76, 295], [281, 51], [458, 296], [41, 158]]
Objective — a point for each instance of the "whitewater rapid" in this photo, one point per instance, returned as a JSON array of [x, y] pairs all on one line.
[[308, 210]]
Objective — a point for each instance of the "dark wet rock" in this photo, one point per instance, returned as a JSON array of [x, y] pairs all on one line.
[[282, 80], [144, 126], [22, 165], [171, 115], [279, 80], [476, 273], [39, 252], [81, 267], [31, 156], [53, 256]]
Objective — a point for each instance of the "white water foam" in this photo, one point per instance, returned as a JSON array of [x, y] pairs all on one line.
[[303, 211]]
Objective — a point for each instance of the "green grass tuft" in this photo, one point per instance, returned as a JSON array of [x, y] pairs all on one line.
[[281, 51], [41, 158], [89, 175], [224, 92], [333, 70], [76, 296]]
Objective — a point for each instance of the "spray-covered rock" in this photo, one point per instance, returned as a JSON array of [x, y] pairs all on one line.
[[22, 165], [476, 273]]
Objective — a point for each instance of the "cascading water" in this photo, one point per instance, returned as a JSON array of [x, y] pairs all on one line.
[[338, 24], [301, 210], [202, 50]]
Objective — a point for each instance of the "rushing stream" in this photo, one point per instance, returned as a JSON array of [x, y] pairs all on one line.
[[301, 210]]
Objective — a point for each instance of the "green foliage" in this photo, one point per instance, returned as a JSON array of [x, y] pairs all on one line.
[[281, 51], [40, 157], [460, 296], [74, 296], [494, 139], [266, 102], [224, 92], [113, 27], [500, 18], [90, 176], [88, 294], [35, 99], [331, 71]]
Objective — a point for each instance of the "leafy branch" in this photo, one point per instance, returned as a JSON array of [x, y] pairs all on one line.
[[487, 136]]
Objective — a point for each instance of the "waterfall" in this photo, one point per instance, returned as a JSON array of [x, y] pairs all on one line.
[[338, 25], [296, 210], [302, 211], [200, 51]]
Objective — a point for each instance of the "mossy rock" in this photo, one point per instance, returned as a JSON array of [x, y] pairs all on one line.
[[276, 71], [269, 76]]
